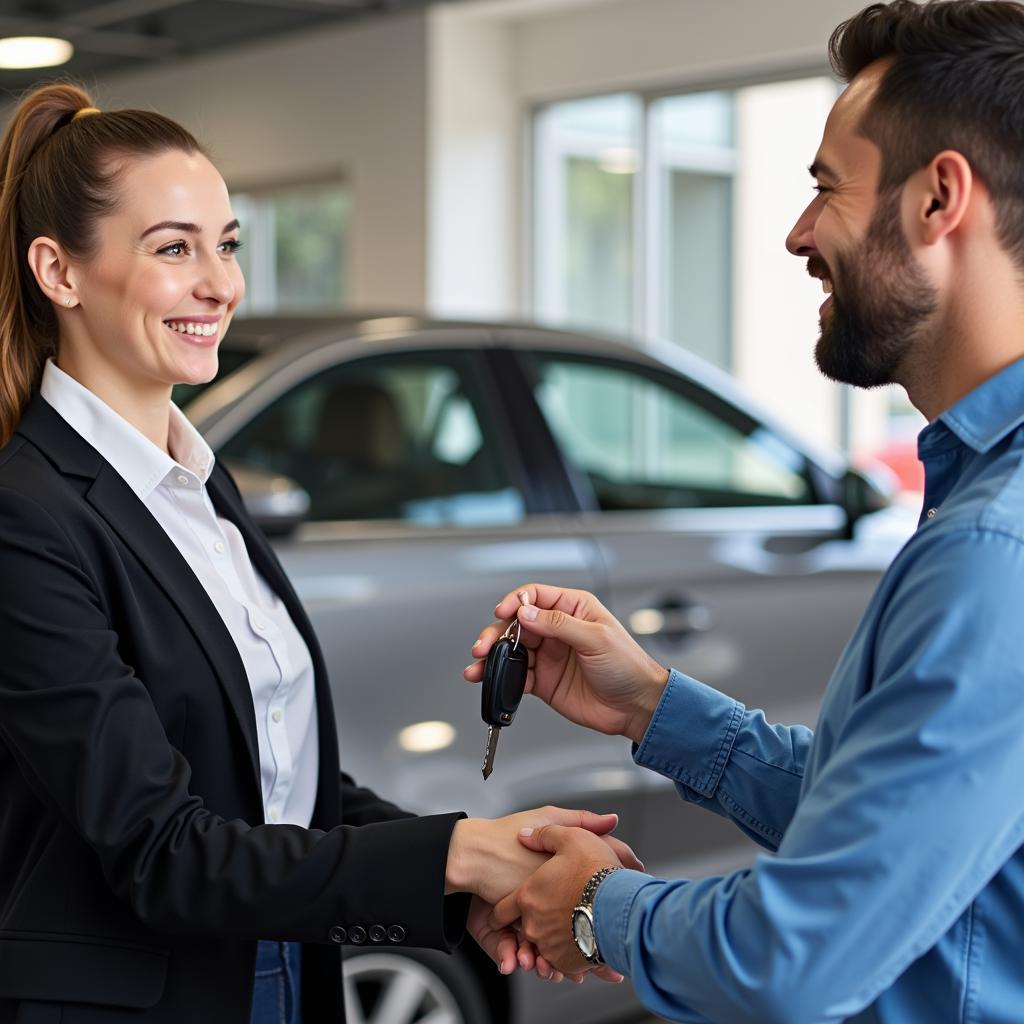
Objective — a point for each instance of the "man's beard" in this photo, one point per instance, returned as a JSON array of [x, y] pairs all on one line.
[[881, 304]]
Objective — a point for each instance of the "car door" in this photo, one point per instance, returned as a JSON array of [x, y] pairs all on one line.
[[423, 513], [720, 557]]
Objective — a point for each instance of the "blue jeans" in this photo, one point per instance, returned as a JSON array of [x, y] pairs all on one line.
[[275, 995]]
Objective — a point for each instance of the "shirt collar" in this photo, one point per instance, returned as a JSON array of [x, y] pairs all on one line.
[[141, 464], [982, 418]]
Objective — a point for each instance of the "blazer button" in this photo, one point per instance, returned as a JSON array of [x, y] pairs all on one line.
[[377, 933], [396, 933], [357, 934], [338, 934]]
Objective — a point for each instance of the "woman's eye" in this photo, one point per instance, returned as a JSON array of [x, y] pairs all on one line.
[[821, 189], [231, 245], [174, 249]]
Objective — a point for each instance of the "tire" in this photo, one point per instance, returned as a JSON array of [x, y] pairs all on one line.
[[387, 987]]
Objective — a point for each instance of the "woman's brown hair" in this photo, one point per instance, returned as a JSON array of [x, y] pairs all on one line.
[[58, 176]]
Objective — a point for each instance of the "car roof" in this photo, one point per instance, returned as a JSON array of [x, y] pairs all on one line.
[[261, 335]]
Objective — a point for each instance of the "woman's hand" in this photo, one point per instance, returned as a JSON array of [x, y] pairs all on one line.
[[486, 858], [583, 662]]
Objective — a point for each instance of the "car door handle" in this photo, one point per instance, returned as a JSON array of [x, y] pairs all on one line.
[[672, 619]]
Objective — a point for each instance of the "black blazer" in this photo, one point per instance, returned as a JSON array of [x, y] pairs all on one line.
[[136, 871]]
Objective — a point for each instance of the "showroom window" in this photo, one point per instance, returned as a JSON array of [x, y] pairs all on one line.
[[633, 217], [294, 259]]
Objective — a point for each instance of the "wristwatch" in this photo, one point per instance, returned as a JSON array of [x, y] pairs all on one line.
[[583, 933]]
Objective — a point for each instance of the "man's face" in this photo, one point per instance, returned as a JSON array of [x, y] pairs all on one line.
[[880, 303]]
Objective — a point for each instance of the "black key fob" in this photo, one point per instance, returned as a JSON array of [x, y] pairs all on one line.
[[504, 682]]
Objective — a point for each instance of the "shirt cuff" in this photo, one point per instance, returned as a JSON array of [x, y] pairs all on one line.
[[613, 904], [691, 734]]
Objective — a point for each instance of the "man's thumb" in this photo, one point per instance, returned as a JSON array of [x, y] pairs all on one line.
[[553, 622], [546, 839]]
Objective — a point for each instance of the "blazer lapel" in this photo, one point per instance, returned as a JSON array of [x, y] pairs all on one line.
[[129, 518]]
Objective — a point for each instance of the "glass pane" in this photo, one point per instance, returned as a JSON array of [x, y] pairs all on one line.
[[699, 265], [396, 437], [693, 155], [587, 156], [645, 445], [310, 227], [294, 259]]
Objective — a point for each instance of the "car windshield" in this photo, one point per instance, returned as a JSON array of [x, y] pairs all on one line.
[[229, 360]]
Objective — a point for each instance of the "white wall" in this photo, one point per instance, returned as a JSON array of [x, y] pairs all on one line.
[[473, 158], [335, 102]]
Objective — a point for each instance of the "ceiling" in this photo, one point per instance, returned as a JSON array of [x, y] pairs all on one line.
[[122, 35]]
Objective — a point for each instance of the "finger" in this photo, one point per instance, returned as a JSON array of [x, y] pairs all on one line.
[[627, 858], [505, 953], [599, 824], [585, 637], [527, 956], [506, 911], [544, 595], [547, 970], [487, 636], [610, 975], [546, 839]]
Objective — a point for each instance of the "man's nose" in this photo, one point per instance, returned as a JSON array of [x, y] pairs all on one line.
[[800, 240]]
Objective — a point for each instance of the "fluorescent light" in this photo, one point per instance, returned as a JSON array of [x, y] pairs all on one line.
[[34, 52], [424, 737]]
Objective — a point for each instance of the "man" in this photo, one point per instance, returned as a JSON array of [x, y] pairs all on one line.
[[895, 892]]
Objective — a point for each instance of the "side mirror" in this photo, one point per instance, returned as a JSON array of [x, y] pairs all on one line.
[[865, 491], [277, 503]]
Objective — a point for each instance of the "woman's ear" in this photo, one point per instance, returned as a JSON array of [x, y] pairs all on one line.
[[49, 265]]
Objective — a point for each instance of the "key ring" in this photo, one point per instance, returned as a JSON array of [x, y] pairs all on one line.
[[507, 635]]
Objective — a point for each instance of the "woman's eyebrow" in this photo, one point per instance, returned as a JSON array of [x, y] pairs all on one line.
[[186, 226]]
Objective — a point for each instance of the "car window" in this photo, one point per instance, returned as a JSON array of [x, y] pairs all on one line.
[[389, 437], [646, 443]]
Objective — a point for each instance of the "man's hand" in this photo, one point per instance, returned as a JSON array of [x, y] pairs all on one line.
[[544, 902], [583, 662]]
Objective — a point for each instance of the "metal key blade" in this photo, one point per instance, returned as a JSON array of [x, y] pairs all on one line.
[[492, 746]]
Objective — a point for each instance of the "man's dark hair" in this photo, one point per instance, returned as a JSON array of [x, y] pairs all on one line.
[[956, 82]]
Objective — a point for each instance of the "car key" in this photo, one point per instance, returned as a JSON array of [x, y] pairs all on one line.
[[503, 685]]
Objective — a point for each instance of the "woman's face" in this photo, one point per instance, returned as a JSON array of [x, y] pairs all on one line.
[[158, 292]]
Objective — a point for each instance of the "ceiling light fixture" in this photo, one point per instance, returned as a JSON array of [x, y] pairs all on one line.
[[34, 52]]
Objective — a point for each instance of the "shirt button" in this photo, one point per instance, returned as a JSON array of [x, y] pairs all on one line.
[[219, 548], [183, 480], [274, 814], [259, 625], [338, 934], [276, 715], [396, 933], [378, 933], [932, 513], [357, 935]]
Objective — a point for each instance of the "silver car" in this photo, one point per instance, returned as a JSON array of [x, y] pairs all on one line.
[[413, 471]]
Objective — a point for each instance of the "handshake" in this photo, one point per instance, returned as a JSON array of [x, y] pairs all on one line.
[[527, 871]]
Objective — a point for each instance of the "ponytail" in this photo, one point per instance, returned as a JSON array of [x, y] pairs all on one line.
[[57, 178]]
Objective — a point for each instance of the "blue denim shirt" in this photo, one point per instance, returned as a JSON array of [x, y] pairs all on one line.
[[894, 890]]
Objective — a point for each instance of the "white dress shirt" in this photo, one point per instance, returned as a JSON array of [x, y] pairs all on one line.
[[272, 650]]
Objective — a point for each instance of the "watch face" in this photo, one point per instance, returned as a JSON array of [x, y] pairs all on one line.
[[583, 933]]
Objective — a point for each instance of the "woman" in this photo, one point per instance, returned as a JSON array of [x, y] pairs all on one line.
[[170, 796]]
